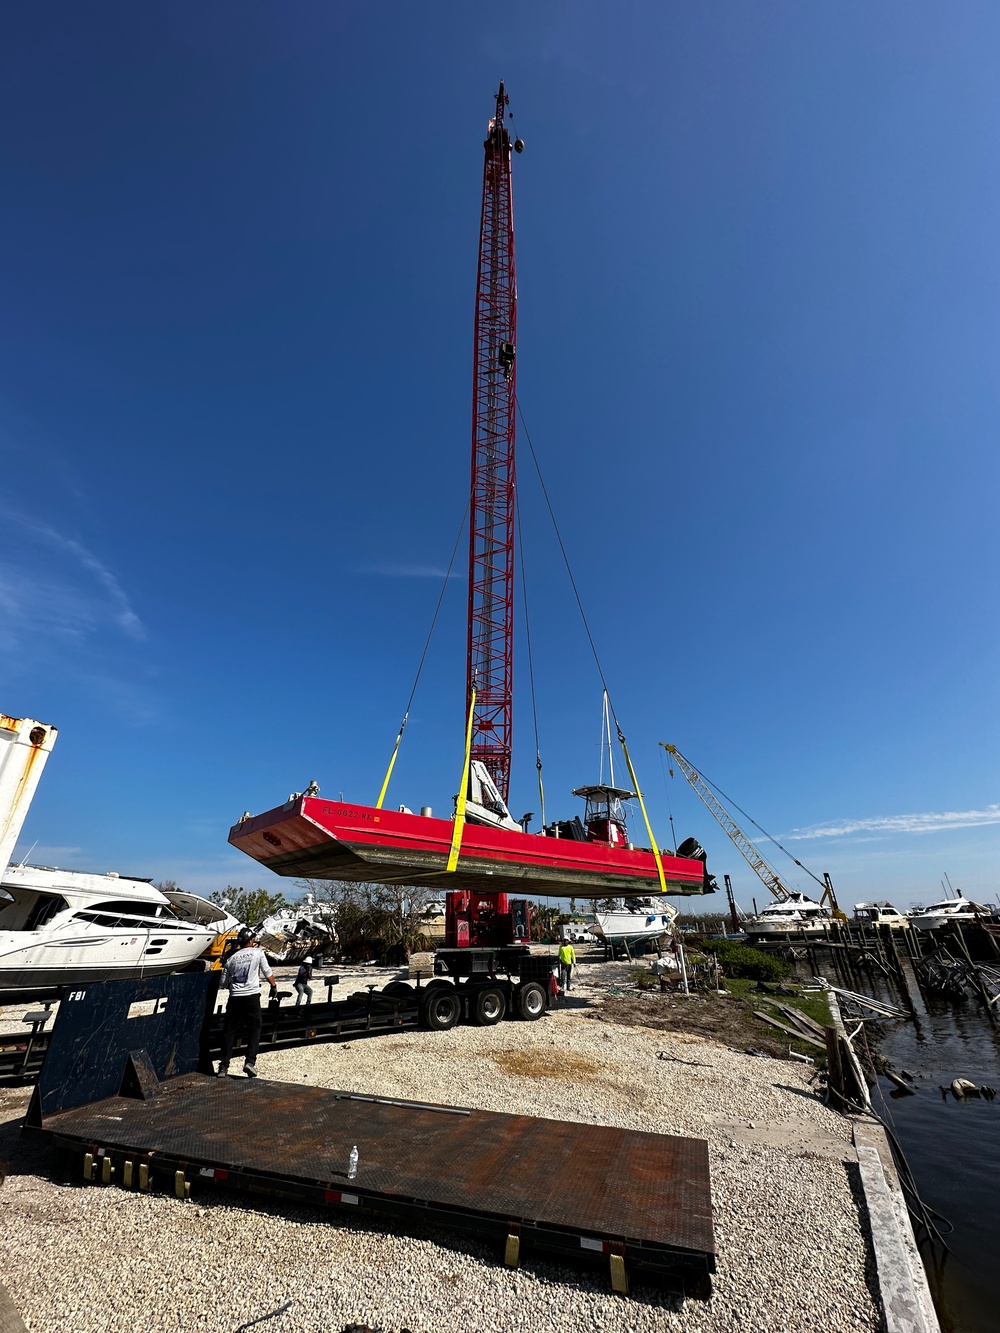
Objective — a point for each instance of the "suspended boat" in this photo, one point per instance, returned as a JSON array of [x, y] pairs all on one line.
[[312, 838]]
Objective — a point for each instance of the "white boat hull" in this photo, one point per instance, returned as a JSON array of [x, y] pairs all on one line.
[[634, 927], [785, 929], [77, 955], [960, 910]]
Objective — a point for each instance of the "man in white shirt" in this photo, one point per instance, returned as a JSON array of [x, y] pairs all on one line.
[[241, 977]]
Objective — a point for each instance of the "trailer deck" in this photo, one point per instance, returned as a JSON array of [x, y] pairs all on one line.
[[144, 1116]]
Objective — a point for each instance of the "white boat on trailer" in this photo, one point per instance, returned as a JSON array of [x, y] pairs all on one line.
[[635, 923]]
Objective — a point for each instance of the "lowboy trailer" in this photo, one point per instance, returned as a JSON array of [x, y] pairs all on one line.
[[484, 990], [125, 1097]]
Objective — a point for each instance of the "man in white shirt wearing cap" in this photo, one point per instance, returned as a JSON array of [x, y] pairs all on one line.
[[241, 977]]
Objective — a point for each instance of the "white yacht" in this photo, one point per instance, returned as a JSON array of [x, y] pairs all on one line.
[[67, 927], [961, 910], [795, 915], [880, 914]]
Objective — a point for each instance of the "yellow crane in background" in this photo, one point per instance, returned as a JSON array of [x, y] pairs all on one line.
[[766, 873]]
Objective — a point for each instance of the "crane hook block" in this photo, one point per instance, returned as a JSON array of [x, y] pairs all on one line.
[[518, 145]]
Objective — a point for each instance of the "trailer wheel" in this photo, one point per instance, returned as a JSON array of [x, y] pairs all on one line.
[[398, 988], [489, 1006], [442, 1009], [531, 1001]]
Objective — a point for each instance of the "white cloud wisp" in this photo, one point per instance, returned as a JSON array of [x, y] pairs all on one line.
[[918, 823], [53, 588]]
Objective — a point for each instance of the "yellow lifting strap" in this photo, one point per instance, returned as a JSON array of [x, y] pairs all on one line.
[[456, 836], [392, 765], [642, 807]]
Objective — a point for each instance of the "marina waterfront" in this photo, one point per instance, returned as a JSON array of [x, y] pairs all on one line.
[[952, 1147]]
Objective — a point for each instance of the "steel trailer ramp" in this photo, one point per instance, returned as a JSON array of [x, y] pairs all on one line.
[[638, 1202]]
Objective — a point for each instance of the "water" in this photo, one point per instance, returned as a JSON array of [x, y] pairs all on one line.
[[953, 1147]]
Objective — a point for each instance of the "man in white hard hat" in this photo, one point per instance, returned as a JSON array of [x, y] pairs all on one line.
[[302, 980]]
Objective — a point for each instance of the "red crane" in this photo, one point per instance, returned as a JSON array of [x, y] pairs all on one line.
[[491, 535]]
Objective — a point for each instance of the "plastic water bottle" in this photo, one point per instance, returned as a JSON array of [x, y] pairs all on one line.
[[352, 1163]]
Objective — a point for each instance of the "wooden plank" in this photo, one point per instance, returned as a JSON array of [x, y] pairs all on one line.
[[792, 1032], [797, 1016]]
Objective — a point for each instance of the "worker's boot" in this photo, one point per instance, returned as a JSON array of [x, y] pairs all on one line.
[[250, 1070], [223, 1071]]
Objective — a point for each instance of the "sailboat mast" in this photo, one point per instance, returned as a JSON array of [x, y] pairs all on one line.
[[491, 535]]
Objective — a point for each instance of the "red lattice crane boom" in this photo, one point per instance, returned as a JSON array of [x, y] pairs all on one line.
[[491, 538]]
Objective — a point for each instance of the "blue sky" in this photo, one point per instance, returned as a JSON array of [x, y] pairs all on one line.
[[758, 323]]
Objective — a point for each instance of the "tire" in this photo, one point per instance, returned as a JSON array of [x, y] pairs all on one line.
[[400, 988], [531, 1001], [442, 1009], [489, 1006]]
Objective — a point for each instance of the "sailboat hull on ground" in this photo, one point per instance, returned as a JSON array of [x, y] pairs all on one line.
[[312, 838]]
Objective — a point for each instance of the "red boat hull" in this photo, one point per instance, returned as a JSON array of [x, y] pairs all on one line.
[[312, 838]]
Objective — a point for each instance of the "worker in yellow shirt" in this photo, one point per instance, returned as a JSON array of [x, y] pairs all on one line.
[[567, 958]]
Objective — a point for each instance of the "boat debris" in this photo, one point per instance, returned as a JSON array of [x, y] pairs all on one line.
[[962, 1088], [854, 999]]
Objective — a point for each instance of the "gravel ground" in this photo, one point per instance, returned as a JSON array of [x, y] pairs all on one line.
[[792, 1254]]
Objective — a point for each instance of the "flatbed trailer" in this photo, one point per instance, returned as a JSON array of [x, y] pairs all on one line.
[[483, 996], [125, 1097]]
